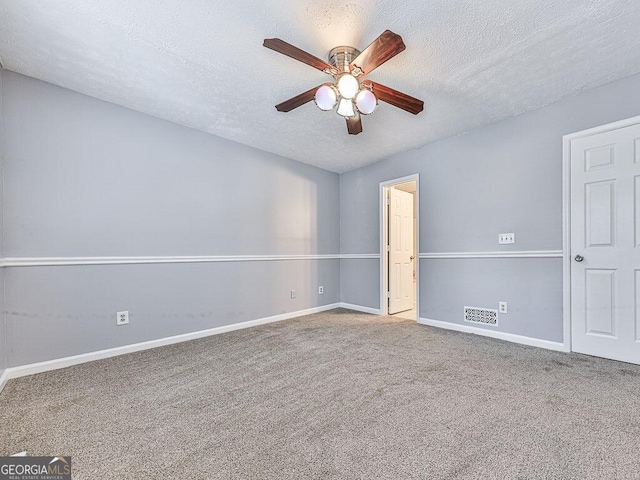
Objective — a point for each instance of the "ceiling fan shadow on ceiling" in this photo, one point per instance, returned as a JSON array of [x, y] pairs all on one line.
[[350, 91]]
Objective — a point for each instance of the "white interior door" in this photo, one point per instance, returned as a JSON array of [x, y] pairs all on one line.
[[400, 251], [605, 244]]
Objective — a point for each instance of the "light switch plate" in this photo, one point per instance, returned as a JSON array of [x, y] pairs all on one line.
[[506, 238]]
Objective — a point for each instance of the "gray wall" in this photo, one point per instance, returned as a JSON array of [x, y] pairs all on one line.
[[85, 178], [72, 309], [3, 332], [506, 177], [360, 282]]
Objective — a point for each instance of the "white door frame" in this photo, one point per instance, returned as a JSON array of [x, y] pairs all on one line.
[[566, 216], [384, 254]]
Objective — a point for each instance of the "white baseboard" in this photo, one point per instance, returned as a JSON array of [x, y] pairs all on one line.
[[40, 367], [359, 308], [4, 378], [509, 337]]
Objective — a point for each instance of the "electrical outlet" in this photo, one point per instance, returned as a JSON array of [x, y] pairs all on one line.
[[122, 318], [502, 307], [506, 238], [293, 294], [320, 289]]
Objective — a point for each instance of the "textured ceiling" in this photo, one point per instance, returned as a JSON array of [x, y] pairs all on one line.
[[201, 63]]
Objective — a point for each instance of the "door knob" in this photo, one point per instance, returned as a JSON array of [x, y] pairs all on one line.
[[579, 258], [412, 257]]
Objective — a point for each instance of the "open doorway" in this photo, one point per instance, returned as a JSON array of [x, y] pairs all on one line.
[[399, 250]]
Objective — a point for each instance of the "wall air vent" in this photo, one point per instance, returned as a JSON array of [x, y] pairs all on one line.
[[485, 316]]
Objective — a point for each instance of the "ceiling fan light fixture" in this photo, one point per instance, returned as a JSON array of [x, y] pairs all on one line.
[[326, 97], [345, 108], [366, 102], [348, 66], [348, 86]]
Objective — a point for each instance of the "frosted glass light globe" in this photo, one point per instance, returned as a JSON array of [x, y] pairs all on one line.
[[348, 86], [326, 98], [345, 108], [366, 102]]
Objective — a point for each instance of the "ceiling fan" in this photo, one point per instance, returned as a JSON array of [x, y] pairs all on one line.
[[353, 94]]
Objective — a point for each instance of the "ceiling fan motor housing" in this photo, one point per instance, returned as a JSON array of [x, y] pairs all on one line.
[[341, 57]]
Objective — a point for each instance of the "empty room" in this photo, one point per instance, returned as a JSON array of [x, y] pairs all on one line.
[[323, 239]]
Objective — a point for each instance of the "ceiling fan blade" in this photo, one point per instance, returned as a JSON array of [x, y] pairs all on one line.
[[395, 98], [383, 48], [298, 100], [289, 50], [354, 124]]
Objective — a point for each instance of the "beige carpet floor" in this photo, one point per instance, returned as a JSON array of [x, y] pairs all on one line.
[[333, 395]]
